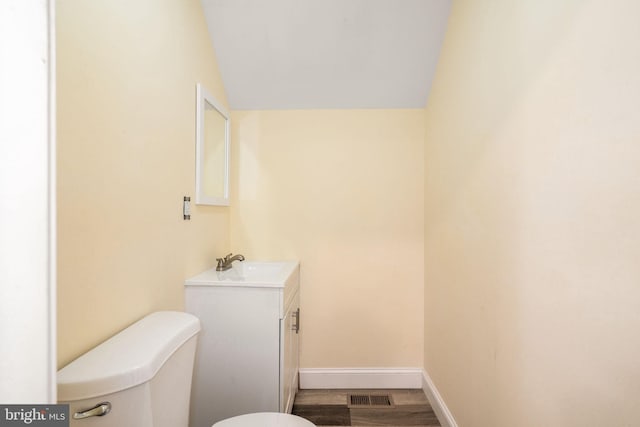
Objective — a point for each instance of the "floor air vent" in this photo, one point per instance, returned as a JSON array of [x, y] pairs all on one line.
[[370, 401]]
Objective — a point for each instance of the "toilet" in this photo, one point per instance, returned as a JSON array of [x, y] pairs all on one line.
[[141, 377], [265, 419]]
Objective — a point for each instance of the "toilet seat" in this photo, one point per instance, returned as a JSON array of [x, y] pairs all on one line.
[[265, 419]]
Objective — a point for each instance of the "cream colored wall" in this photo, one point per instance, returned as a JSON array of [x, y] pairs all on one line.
[[126, 89], [532, 200], [342, 191]]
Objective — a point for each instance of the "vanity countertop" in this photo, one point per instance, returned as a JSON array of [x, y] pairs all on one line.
[[268, 274]]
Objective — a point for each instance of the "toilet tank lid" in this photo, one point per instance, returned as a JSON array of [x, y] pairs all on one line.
[[127, 359]]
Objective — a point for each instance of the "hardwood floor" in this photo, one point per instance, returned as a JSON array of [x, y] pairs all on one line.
[[331, 408]]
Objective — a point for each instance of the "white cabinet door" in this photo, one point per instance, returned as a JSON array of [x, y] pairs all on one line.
[[289, 334]]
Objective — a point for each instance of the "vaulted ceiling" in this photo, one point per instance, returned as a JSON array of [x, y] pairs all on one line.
[[302, 54]]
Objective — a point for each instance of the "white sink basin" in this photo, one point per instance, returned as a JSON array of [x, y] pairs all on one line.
[[247, 273]]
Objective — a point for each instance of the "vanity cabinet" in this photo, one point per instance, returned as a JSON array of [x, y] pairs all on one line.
[[247, 357]]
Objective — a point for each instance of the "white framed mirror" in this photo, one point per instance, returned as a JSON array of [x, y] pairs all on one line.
[[212, 150]]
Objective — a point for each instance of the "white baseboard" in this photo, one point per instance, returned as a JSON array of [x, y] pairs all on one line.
[[323, 378], [361, 378], [438, 405]]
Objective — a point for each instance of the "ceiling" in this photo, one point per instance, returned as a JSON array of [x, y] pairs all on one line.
[[304, 54]]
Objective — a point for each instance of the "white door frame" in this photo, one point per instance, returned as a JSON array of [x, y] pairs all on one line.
[[27, 202]]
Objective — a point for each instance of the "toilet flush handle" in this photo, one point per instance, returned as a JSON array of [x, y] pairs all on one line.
[[97, 411]]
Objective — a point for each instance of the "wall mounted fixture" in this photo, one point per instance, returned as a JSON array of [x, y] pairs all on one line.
[[186, 208]]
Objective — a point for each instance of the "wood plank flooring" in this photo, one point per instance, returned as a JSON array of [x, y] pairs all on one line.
[[330, 408]]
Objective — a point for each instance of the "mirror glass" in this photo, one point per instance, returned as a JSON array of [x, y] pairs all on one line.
[[212, 151]]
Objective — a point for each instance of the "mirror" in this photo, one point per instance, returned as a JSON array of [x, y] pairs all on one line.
[[212, 150]]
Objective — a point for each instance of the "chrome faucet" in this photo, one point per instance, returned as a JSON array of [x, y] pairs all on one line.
[[225, 263]]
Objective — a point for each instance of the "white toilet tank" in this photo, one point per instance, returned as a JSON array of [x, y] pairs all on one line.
[[142, 375]]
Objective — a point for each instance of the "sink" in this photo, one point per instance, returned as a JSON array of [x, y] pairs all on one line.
[[248, 273]]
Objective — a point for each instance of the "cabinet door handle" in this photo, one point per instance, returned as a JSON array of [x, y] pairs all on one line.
[[296, 326]]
